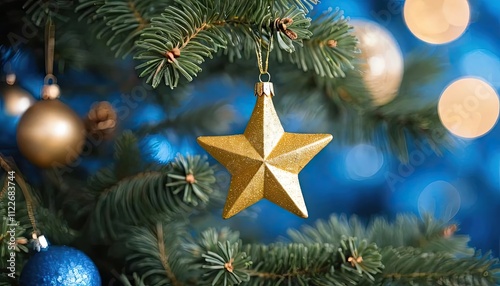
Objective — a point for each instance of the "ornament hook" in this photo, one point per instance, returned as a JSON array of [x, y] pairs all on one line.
[[50, 42], [263, 64], [50, 89], [268, 77]]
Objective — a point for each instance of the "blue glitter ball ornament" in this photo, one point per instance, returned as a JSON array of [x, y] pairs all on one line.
[[60, 265]]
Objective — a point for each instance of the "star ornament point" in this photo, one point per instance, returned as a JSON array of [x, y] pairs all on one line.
[[265, 161]]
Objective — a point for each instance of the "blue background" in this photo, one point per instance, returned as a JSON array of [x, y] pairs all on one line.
[[462, 185]]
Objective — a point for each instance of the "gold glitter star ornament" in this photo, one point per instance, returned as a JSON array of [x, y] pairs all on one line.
[[265, 161]]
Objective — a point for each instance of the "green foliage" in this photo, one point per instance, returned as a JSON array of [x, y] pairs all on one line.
[[179, 41], [347, 111], [143, 218], [364, 258], [154, 253], [52, 222], [137, 281], [410, 266], [171, 39], [12, 239], [140, 211], [128, 157], [42, 11], [410, 117], [330, 51], [175, 37], [208, 241], [127, 162], [120, 23], [210, 119], [192, 168], [158, 191], [305, 5], [427, 234], [227, 265], [16, 226]]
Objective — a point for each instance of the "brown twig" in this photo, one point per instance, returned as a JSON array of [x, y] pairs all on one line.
[[137, 15], [30, 201], [164, 256]]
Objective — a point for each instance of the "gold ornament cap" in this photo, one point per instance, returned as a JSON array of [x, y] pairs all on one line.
[[264, 89], [50, 92]]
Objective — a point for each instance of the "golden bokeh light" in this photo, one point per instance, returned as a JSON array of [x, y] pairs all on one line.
[[16, 100], [469, 107], [437, 21], [383, 60]]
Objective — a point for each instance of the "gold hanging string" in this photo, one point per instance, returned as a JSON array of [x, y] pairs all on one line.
[[30, 202], [50, 42], [263, 65]]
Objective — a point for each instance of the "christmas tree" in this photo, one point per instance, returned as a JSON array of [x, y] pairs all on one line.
[[99, 196]]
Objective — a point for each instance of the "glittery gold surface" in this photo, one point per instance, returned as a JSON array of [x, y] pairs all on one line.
[[264, 161]]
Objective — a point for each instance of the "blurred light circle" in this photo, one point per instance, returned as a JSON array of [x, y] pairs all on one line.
[[160, 148], [363, 161], [383, 60], [437, 21], [439, 199], [16, 100], [469, 107]]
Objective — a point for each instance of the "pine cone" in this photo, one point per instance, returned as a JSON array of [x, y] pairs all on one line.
[[101, 120]]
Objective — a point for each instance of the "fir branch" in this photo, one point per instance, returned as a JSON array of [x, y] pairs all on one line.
[[120, 22], [348, 111], [314, 264], [128, 161], [324, 260], [305, 5], [294, 264], [427, 234], [101, 180], [138, 281], [39, 218], [193, 177], [128, 157], [164, 257], [212, 119], [145, 197], [209, 241], [12, 237], [331, 49], [227, 265], [153, 253], [410, 117], [218, 257], [54, 226], [43, 10], [179, 41], [331, 231], [409, 266]]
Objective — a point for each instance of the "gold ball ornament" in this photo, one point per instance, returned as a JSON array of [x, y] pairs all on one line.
[[383, 63], [16, 99], [437, 21], [469, 107], [50, 134]]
